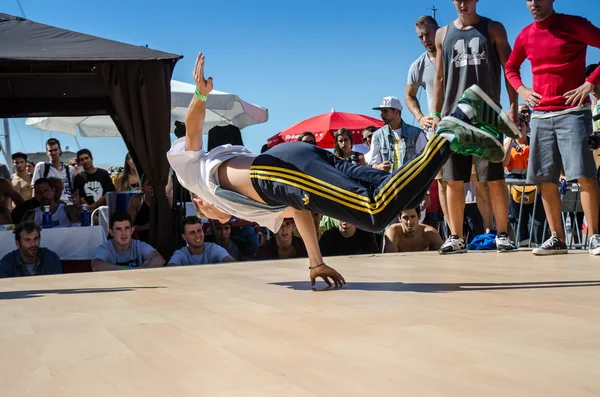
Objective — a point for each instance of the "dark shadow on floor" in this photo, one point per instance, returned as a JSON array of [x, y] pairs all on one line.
[[437, 287], [42, 292]]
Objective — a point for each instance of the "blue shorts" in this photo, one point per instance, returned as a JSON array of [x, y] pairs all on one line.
[[307, 177]]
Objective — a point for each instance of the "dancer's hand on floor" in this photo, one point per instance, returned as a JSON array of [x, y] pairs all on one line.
[[326, 272]]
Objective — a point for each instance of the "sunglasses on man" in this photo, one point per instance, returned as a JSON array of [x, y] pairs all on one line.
[[366, 138]]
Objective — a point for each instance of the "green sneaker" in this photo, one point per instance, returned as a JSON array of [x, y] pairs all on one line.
[[472, 141], [488, 115]]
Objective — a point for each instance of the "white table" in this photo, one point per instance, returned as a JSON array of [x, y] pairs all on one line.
[[69, 243]]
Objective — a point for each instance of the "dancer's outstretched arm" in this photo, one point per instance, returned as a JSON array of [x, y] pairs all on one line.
[[306, 227], [193, 142], [194, 119]]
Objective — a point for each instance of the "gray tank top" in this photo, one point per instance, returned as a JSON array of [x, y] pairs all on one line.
[[470, 57]]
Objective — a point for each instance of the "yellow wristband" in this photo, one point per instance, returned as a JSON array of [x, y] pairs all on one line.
[[203, 98]]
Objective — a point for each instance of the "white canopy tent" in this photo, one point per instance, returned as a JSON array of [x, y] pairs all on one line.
[[221, 108]]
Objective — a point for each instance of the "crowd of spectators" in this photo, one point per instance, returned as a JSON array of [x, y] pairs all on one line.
[[468, 198]]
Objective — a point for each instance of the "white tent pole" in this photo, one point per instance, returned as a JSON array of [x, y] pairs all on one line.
[[77, 142], [6, 148]]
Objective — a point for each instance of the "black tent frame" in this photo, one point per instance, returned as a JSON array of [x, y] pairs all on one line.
[[46, 71]]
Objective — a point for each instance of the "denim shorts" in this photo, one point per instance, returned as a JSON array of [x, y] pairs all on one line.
[[557, 143]]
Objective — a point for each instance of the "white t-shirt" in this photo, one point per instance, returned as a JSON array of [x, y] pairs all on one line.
[[134, 256], [422, 74], [59, 218], [213, 253], [197, 172], [55, 173]]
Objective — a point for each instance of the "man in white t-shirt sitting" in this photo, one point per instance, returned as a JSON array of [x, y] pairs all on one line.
[[124, 252], [197, 252]]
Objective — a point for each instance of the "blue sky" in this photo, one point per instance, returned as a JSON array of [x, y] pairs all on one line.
[[297, 58]]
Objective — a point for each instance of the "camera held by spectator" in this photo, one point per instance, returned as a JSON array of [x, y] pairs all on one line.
[[593, 140]]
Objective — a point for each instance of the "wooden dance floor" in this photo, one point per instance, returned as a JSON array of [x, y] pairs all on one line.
[[481, 324]]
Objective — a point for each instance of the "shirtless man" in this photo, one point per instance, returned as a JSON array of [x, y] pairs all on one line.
[[21, 180], [292, 179], [8, 193], [410, 236]]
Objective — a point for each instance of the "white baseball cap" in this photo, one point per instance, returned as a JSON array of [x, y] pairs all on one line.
[[390, 102]]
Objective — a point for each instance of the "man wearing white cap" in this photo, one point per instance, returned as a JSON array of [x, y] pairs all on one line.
[[396, 143]]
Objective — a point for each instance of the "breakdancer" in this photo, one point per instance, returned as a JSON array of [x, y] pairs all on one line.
[[292, 179]]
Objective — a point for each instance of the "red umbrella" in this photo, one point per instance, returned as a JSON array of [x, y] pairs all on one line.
[[325, 125], [274, 140]]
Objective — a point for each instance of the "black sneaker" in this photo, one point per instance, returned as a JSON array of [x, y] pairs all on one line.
[[453, 245], [552, 246], [503, 243]]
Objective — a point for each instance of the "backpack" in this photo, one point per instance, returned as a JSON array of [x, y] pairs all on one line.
[[529, 191]]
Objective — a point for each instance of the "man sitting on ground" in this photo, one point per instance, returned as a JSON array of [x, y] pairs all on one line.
[[236, 246], [347, 239], [410, 236], [197, 252], [29, 259], [285, 245], [124, 252]]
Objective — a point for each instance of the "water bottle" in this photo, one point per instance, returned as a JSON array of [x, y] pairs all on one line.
[[563, 187], [46, 218], [568, 228], [85, 215]]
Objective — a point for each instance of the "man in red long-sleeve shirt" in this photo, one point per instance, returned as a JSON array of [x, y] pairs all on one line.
[[556, 45]]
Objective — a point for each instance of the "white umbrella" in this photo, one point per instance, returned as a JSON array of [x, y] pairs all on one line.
[[221, 108]]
